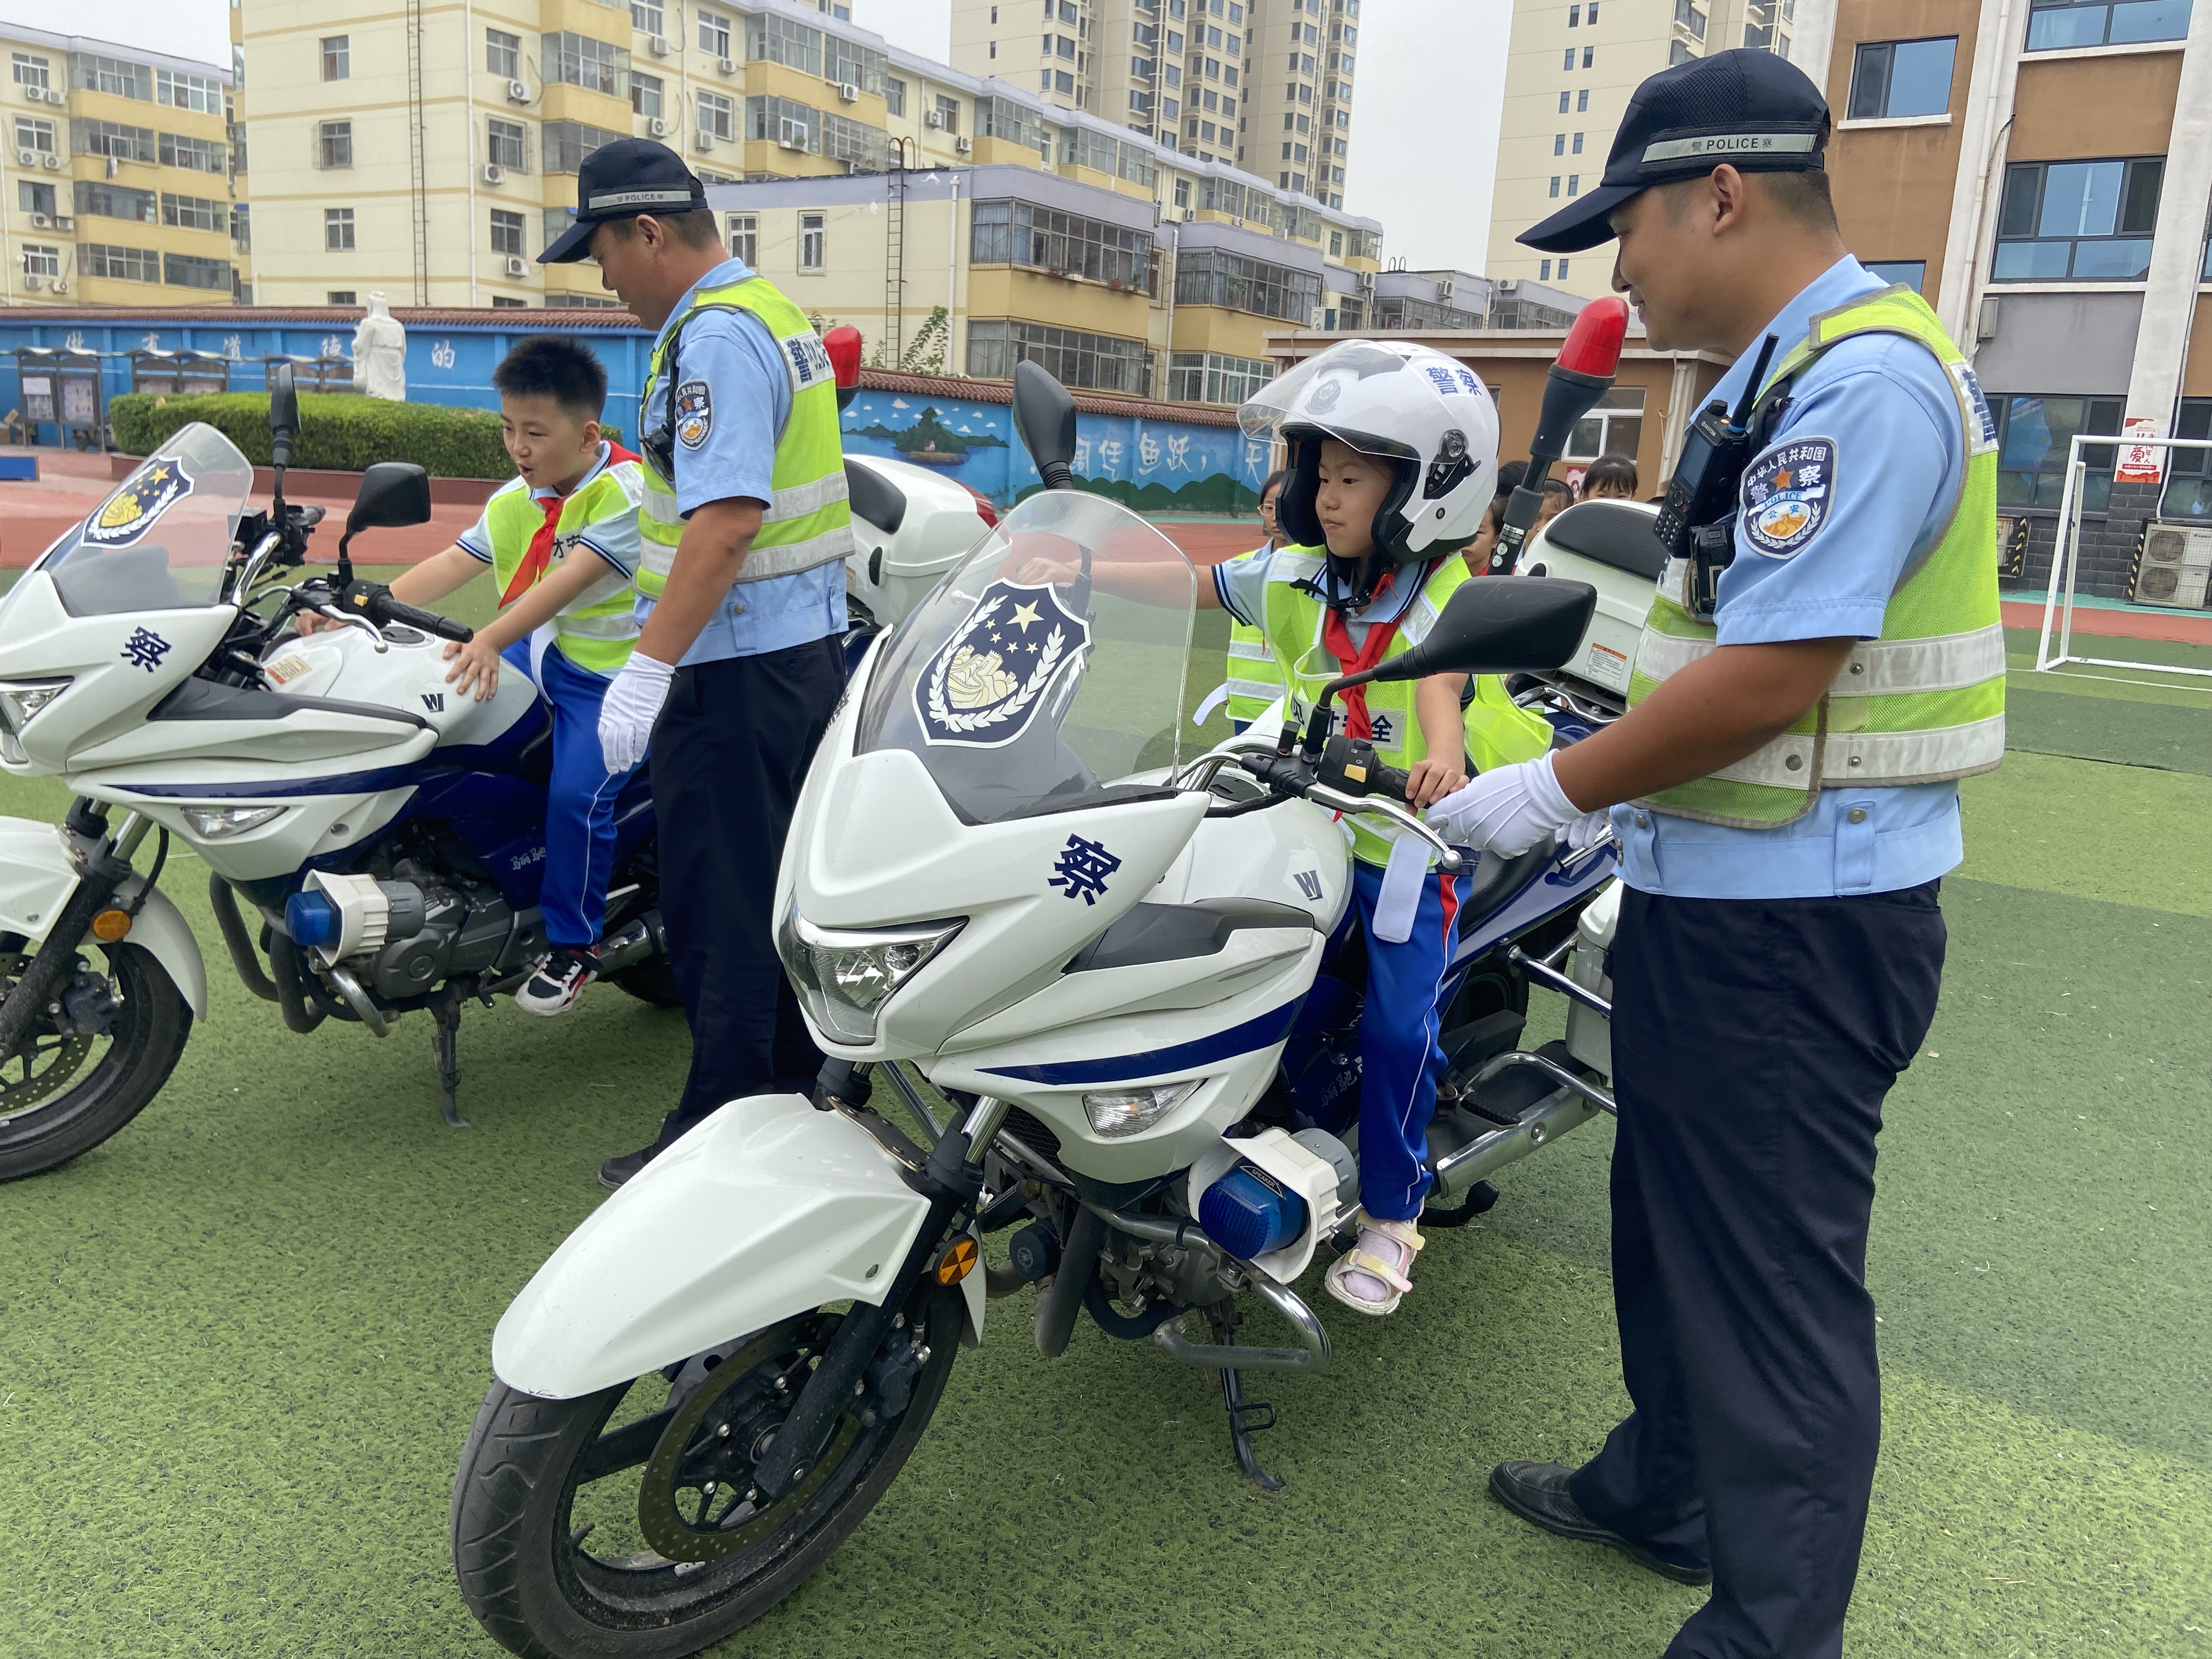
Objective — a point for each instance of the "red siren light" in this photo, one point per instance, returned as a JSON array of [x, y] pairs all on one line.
[[1593, 344], [843, 344]]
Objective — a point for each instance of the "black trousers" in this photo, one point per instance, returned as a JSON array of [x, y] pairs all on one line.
[[1754, 1041], [728, 756]]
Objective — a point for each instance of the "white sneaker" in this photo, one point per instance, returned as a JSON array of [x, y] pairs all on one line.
[[557, 980]]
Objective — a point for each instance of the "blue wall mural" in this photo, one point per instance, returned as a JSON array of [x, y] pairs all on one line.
[[1154, 465]]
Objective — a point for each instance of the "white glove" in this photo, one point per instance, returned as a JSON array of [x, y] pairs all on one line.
[[632, 704], [1512, 809]]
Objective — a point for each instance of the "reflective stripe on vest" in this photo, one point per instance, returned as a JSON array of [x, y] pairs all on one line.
[[809, 523], [1496, 732], [1925, 702], [1254, 682], [599, 627]]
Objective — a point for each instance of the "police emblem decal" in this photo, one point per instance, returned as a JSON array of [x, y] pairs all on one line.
[[695, 413], [1325, 396], [130, 513], [986, 684], [1786, 496]]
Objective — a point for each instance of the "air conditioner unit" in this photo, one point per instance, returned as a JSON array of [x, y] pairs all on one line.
[[657, 46], [517, 265], [726, 65], [495, 173], [1190, 214], [2175, 567], [703, 141], [61, 284], [1367, 281], [659, 127], [52, 163], [963, 145], [27, 158], [791, 144], [518, 92], [55, 95], [933, 118], [1509, 285], [34, 284], [1235, 220], [39, 222], [849, 92], [1444, 289], [63, 221]]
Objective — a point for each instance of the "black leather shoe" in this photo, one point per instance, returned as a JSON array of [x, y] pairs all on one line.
[[1538, 1493], [617, 1170]]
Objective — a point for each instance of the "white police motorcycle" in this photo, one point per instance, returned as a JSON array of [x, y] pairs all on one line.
[[1114, 987]]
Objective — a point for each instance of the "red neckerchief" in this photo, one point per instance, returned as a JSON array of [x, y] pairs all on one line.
[[539, 554], [1338, 638]]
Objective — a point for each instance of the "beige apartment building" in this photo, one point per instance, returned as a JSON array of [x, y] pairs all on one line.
[[1572, 66], [1262, 85], [117, 182]]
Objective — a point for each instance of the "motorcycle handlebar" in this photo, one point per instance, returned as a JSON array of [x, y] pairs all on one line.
[[374, 601]]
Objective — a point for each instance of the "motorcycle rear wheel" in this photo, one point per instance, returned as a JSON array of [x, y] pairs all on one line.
[[527, 1474], [73, 1092]]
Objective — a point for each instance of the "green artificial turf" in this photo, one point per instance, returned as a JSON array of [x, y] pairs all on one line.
[[241, 1344]]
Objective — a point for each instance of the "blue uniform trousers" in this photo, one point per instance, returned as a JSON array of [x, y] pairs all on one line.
[[579, 798], [1754, 1041], [1400, 1063]]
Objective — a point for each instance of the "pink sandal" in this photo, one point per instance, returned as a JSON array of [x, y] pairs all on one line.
[[1370, 1278]]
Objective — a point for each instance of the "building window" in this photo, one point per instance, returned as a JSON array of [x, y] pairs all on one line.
[[31, 71], [1894, 79], [1568, 61], [1558, 144], [122, 265], [504, 144], [2053, 26], [1045, 239], [503, 54], [201, 155], [190, 92], [645, 94], [1615, 427], [241, 228], [35, 198], [2189, 471], [337, 230], [32, 133], [894, 96], [1100, 362], [718, 116], [1574, 184], [99, 200], [2087, 221], [112, 76], [1911, 272], [1589, 56], [949, 108], [743, 233], [340, 296], [334, 144], [1213, 377], [39, 260], [111, 138], [1555, 184], [779, 40], [1678, 51], [578, 60], [564, 144], [1543, 270], [195, 213], [813, 238], [1578, 144], [337, 58], [505, 231], [2032, 436], [714, 34], [189, 271], [776, 121], [645, 16], [1563, 271], [509, 302], [1210, 276]]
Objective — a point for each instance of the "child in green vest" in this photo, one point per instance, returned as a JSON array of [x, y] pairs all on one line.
[[562, 542]]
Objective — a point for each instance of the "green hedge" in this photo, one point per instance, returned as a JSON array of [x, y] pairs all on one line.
[[337, 433]]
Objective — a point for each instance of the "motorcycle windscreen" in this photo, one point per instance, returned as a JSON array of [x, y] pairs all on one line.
[[1025, 689], [160, 541]]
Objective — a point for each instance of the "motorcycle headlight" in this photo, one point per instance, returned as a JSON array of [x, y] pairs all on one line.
[[1125, 1111], [19, 702], [216, 823], [844, 977]]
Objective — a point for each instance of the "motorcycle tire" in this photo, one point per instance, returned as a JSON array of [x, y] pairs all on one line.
[[652, 981], [518, 1552], [144, 1042]]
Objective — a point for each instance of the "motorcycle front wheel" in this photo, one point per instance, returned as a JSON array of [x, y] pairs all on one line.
[[623, 1524], [66, 1091]]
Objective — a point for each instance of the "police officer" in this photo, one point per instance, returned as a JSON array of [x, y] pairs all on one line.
[[1784, 788], [741, 584]]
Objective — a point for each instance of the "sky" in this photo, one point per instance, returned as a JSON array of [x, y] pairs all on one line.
[[1424, 124], [182, 28]]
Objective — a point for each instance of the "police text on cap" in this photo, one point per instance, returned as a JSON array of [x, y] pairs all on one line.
[[1728, 143]]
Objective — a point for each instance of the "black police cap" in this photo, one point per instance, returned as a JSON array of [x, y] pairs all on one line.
[[620, 180], [1759, 113]]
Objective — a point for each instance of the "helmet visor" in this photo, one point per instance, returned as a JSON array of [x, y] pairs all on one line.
[[1308, 393]]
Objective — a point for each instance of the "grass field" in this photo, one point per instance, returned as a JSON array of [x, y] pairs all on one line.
[[242, 1343]]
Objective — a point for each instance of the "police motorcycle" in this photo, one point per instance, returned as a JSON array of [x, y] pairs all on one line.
[[1115, 986], [373, 842]]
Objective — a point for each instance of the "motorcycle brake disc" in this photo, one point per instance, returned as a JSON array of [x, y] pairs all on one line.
[[695, 1501], [63, 1059]]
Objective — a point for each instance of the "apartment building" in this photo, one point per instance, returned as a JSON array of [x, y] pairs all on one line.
[[1264, 85], [117, 180], [2040, 171], [1571, 68]]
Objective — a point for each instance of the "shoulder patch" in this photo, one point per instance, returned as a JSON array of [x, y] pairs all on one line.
[[695, 413], [1787, 495], [809, 359]]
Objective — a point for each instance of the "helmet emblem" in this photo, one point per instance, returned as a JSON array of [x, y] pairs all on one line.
[[1325, 397]]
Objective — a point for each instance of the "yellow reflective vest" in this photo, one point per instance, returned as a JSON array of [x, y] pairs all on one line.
[[599, 627], [1254, 682]]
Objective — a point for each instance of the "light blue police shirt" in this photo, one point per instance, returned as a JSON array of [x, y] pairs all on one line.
[[748, 392], [1888, 406]]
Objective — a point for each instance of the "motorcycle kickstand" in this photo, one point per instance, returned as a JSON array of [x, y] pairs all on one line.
[[1244, 1420], [445, 1011]]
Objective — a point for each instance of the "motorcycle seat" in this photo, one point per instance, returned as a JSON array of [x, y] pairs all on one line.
[[1615, 533]]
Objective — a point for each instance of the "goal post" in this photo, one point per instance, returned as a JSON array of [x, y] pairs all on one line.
[[2066, 555]]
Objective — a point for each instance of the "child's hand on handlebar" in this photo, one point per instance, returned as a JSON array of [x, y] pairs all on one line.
[[474, 663], [1430, 780]]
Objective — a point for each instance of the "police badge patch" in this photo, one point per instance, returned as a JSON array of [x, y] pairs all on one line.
[[985, 686], [695, 413], [130, 513], [1787, 493]]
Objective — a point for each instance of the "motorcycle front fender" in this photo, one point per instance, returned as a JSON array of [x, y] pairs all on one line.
[[767, 1209], [36, 878]]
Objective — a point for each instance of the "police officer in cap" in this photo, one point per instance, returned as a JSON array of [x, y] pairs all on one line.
[[741, 584], [1822, 662]]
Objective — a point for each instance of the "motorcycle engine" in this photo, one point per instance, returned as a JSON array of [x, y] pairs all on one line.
[[463, 932]]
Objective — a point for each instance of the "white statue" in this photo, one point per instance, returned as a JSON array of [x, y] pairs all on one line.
[[379, 353]]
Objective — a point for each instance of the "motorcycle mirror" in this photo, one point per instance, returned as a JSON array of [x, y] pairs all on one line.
[[1044, 419], [1500, 625], [843, 342], [391, 494], [283, 415]]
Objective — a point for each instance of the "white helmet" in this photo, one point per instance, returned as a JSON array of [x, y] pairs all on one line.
[[1410, 405]]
